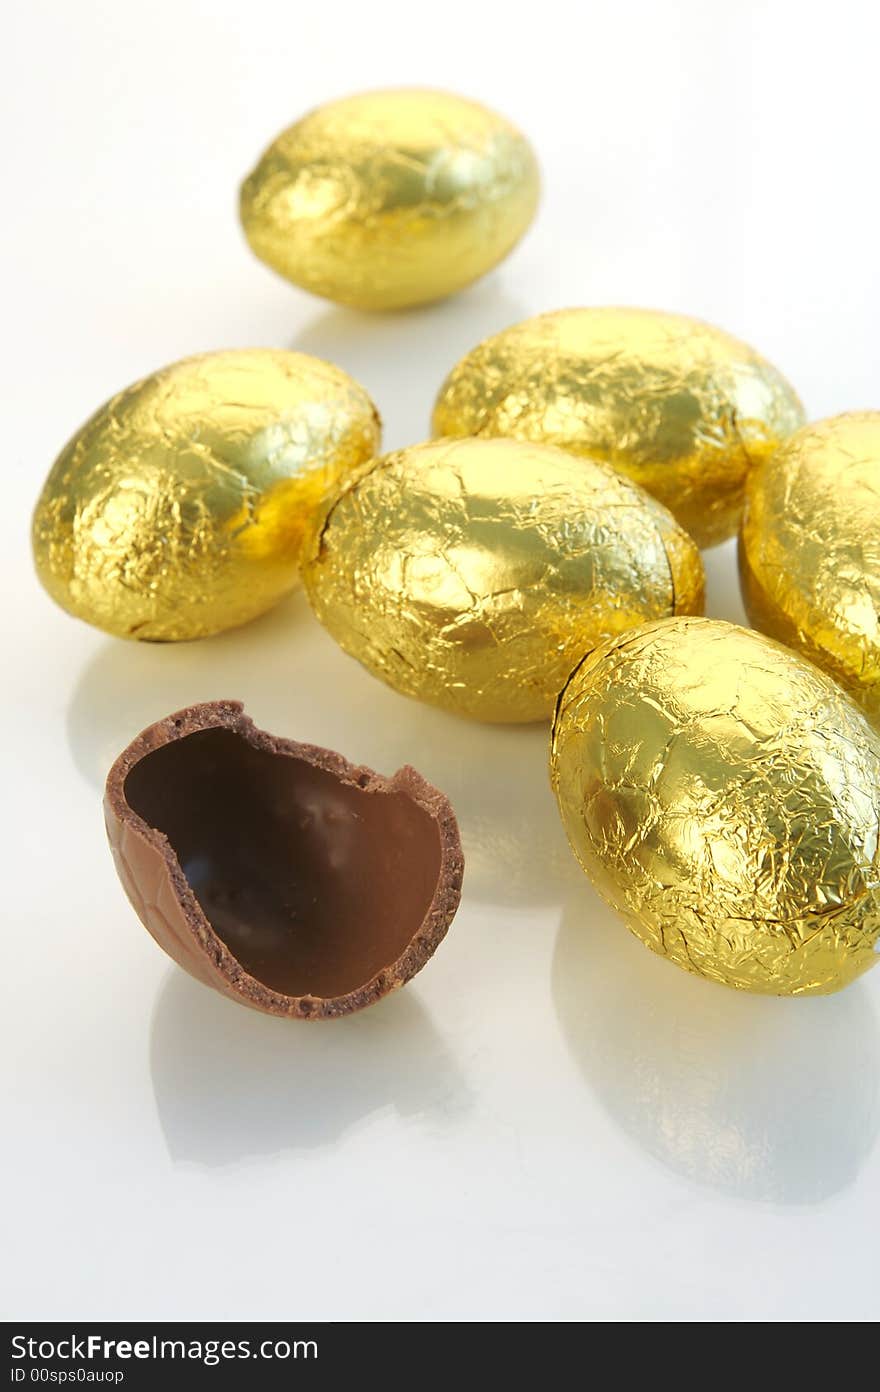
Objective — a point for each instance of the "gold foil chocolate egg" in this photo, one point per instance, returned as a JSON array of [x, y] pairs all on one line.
[[809, 550], [181, 507], [680, 407], [391, 198], [724, 796], [473, 574]]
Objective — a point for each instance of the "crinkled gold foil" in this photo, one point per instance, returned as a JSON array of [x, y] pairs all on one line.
[[809, 550], [473, 574], [723, 795], [180, 508], [681, 407], [391, 198]]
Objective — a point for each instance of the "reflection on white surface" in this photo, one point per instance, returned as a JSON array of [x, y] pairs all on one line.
[[768, 1099], [723, 600], [402, 358], [682, 184], [231, 1083], [294, 681]]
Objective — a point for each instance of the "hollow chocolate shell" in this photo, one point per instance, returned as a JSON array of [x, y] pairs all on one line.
[[276, 872]]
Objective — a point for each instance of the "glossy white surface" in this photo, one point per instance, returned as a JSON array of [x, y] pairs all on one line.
[[550, 1123]]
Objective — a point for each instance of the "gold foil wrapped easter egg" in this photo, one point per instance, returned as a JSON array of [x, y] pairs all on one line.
[[809, 549], [181, 507], [724, 796], [473, 574], [391, 198], [680, 407]]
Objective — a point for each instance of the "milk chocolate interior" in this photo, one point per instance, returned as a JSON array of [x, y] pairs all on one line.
[[314, 883]]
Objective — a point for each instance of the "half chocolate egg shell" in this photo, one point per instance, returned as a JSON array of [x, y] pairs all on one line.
[[279, 873]]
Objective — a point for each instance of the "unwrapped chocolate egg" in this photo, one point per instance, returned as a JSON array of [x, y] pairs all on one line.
[[180, 508], [278, 873], [473, 574], [391, 198], [680, 407], [809, 551], [723, 795]]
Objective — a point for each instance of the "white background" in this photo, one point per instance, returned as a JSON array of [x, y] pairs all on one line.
[[550, 1123]]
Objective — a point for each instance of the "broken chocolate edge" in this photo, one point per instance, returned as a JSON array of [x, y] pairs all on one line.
[[231, 977]]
